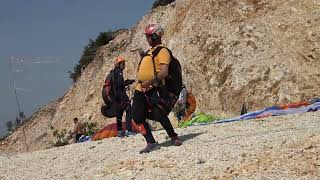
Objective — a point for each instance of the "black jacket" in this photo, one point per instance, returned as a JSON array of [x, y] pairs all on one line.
[[120, 85]]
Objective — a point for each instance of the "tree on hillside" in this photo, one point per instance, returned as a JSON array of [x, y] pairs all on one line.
[[89, 52], [9, 126], [18, 121], [158, 3]]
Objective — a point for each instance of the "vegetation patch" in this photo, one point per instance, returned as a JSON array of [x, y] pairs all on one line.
[[90, 51], [158, 3]]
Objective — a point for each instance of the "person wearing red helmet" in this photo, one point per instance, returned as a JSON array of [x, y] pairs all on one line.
[[152, 71], [121, 97]]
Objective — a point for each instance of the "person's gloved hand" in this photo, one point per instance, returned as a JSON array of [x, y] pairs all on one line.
[[129, 81], [140, 51]]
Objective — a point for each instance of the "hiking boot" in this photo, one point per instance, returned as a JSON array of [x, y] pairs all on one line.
[[120, 134], [176, 141], [130, 133], [150, 147]]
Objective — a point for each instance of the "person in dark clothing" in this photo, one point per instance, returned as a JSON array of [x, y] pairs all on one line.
[[151, 74], [121, 98]]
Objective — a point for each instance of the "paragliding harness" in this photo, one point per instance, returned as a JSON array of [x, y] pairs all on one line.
[[165, 96], [190, 97], [108, 89], [109, 95]]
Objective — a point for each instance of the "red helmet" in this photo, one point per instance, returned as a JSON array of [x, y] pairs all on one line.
[[154, 29]]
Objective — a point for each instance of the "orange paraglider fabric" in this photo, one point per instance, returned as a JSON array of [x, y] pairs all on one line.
[[111, 131], [191, 106], [294, 105]]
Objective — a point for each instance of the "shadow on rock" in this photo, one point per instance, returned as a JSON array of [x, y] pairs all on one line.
[[183, 139]]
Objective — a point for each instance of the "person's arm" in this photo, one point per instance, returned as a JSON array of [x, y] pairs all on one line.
[[140, 50], [158, 78], [75, 129], [129, 82]]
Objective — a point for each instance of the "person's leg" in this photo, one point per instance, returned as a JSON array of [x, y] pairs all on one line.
[[128, 118], [77, 137], [138, 113], [179, 116], [148, 136], [139, 110], [119, 120], [182, 114], [159, 116], [151, 143]]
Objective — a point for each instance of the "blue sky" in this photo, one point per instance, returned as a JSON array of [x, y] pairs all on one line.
[[49, 37]]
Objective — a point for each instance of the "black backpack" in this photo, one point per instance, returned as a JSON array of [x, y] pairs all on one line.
[[173, 82]]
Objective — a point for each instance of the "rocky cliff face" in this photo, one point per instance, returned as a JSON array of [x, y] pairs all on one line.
[[258, 52]]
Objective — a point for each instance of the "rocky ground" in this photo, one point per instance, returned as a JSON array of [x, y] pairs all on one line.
[[285, 147]]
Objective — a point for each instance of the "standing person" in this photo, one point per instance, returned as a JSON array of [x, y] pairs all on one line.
[[151, 74], [121, 98], [181, 104], [78, 130]]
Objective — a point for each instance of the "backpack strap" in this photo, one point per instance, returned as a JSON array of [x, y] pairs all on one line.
[[146, 54], [154, 54]]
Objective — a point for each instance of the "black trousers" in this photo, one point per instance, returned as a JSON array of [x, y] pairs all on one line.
[[143, 109], [119, 116]]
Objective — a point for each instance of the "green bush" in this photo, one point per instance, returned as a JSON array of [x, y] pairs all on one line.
[[91, 128], [4, 137], [9, 125], [89, 52], [62, 137], [158, 3]]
